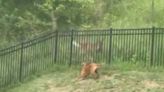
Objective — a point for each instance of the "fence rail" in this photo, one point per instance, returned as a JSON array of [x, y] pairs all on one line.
[[144, 46]]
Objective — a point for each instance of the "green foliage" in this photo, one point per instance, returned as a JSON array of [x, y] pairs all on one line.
[[21, 20]]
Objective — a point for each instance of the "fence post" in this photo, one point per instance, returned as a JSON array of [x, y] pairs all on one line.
[[152, 46], [21, 62], [110, 46], [56, 46], [70, 62]]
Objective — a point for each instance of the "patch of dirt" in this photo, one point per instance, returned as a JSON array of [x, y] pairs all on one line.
[[113, 82], [151, 84], [50, 87], [109, 77], [104, 77], [58, 89]]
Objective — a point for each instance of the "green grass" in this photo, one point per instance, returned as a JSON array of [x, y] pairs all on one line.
[[118, 77]]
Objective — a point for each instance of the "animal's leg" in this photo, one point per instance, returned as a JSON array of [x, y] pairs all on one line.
[[96, 74]]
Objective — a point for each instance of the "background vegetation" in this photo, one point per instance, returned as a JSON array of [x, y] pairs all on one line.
[[21, 20]]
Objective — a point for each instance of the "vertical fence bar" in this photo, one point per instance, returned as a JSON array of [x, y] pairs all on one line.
[[56, 46], [15, 65], [152, 46], [162, 47], [70, 62], [5, 70], [110, 46], [41, 61], [158, 49], [21, 63]]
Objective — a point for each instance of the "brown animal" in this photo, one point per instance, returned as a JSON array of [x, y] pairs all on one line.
[[87, 47], [89, 69]]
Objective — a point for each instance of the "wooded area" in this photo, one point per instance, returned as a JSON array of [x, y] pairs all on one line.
[[23, 19]]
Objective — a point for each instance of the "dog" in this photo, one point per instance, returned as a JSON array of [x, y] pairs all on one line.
[[89, 69]]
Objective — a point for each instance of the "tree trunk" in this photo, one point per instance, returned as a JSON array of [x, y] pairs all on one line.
[[53, 18]]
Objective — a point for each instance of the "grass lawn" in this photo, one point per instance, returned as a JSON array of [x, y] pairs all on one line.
[[112, 79]]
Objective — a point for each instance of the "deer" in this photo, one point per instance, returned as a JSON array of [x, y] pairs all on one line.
[[87, 50], [86, 47]]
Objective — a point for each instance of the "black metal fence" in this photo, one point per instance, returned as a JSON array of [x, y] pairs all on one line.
[[144, 46]]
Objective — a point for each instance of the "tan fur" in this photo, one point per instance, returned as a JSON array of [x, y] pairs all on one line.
[[89, 68], [87, 47]]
